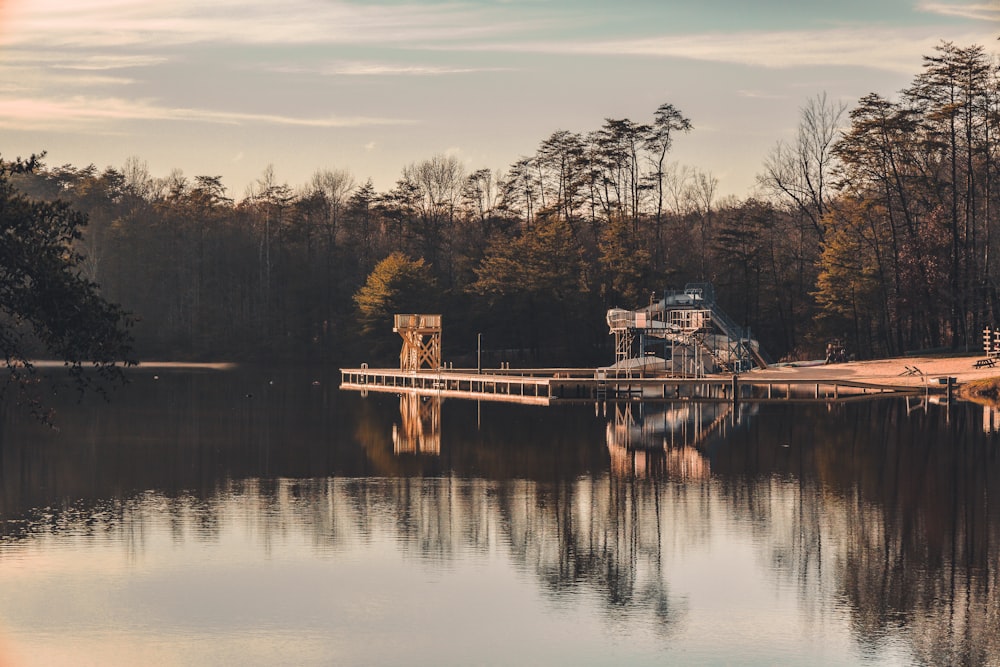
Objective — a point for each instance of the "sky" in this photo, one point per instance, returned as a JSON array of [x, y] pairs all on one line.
[[230, 87]]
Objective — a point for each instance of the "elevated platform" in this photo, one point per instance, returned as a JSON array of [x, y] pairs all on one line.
[[421, 336], [692, 319]]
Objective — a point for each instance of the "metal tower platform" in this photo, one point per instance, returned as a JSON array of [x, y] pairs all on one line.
[[691, 320]]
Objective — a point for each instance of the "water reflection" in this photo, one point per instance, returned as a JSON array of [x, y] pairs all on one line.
[[420, 430], [867, 531], [657, 439], [991, 419], [594, 535]]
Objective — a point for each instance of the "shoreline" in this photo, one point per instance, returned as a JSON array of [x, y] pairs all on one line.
[[908, 371], [975, 384]]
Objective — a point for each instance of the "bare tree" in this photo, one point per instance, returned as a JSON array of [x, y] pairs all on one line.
[[138, 181], [269, 202], [701, 194], [437, 186], [677, 187], [335, 187], [800, 173]]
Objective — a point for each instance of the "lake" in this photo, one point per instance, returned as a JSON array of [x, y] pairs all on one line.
[[254, 517]]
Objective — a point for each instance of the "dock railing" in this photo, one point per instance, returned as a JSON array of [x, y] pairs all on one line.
[[542, 387]]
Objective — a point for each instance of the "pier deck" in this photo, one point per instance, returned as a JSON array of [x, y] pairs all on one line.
[[545, 386], [450, 383]]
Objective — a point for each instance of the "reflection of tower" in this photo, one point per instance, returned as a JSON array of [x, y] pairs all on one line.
[[420, 432], [663, 443]]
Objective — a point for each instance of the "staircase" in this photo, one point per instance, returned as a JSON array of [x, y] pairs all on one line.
[[739, 337]]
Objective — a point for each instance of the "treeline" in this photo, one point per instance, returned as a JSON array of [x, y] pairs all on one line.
[[878, 226]]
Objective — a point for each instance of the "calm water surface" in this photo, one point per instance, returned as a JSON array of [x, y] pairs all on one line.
[[252, 518]]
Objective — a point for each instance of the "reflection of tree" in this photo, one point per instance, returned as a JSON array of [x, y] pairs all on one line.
[[595, 534], [893, 516], [896, 515], [601, 533]]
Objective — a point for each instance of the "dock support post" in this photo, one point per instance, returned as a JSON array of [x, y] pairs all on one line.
[[736, 387]]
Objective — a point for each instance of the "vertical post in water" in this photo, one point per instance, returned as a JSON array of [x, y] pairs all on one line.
[[479, 353], [736, 383], [948, 404]]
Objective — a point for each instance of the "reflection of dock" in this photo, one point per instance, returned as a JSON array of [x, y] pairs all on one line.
[[543, 386]]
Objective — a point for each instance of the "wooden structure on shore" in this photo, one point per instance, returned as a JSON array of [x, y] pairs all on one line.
[[991, 342]]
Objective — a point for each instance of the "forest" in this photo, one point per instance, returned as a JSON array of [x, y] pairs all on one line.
[[876, 224]]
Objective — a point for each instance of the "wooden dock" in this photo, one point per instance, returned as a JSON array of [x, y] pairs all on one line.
[[450, 383], [545, 386]]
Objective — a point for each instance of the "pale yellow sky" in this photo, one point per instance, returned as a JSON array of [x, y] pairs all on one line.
[[229, 87]]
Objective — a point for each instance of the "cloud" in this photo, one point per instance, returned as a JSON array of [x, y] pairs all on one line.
[[759, 95], [975, 12], [118, 23], [63, 71], [886, 49], [79, 61], [30, 81], [782, 49], [388, 69], [106, 62], [64, 114], [363, 68], [112, 25]]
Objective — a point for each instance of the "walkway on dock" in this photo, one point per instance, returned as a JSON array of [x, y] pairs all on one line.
[[450, 383], [544, 386]]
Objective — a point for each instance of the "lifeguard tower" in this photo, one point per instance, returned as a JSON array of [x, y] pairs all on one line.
[[421, 341]]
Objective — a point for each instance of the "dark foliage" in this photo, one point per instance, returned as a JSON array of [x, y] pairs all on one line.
[[47, 307], [879, 228]]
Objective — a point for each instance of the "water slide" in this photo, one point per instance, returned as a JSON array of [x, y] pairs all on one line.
[[686, 316]]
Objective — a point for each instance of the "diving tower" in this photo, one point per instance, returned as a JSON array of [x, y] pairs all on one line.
[[691, 322], [421, 336]]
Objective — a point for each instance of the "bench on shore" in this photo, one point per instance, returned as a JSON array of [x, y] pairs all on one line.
[[985, 363]]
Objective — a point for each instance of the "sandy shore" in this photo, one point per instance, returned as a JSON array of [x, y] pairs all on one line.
[[887, 371]]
